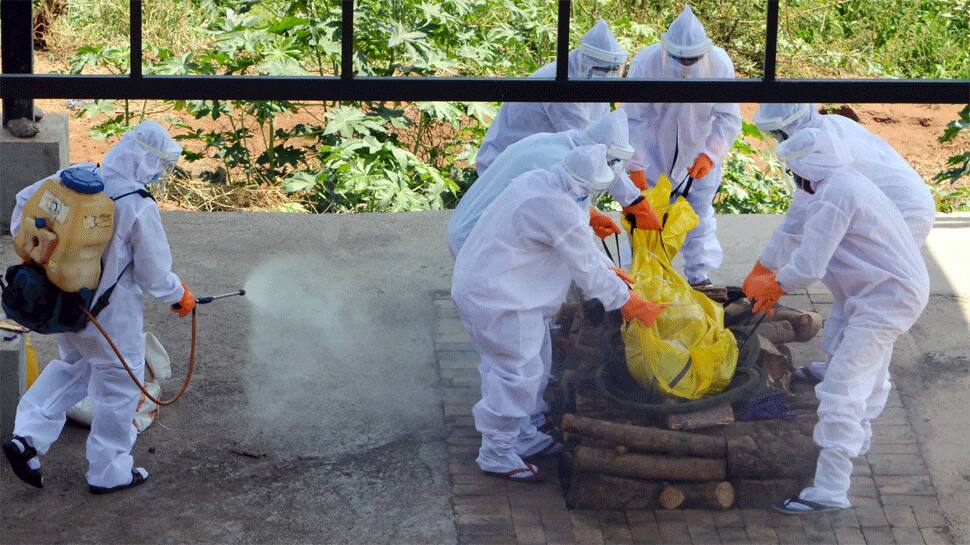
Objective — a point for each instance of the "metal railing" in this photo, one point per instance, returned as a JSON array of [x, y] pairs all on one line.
[[17, 85]]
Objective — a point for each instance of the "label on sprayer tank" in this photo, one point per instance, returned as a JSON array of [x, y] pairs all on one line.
[[54, 206]]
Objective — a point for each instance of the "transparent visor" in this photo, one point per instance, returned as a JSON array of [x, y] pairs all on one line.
[[160, 181], [602, 72], [686, 67], [591, 68]]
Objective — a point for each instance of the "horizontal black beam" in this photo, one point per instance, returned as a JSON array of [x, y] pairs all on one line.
[[481, 89]]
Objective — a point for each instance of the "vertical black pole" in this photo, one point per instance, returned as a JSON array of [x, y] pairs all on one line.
[[135, 32], [771, 40], [562, 42], [17, 28], [347, 41]]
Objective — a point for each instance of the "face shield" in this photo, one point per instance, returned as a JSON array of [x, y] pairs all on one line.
[[596, 63], [159, 181], [160, 154], [587, 167], [687, 48], [687, 67], [617, 156]]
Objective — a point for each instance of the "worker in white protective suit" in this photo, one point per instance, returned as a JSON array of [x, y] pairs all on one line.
[[841, 229], [599, 56], [682, 140], [544, 150], [875, 159], [137, 260], [510, 277]]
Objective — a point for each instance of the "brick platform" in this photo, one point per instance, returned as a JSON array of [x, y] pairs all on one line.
[[893, 497]]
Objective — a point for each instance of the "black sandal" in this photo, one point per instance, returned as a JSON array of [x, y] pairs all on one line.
[[784, 506], [136, 480], [18, 461]]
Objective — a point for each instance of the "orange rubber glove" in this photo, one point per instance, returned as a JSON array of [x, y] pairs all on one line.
[[757, 271], [638, 309], [186, 304], [642, 216], [602, 225], [702, 165], [765, 292], [639, 179], [624, 276]]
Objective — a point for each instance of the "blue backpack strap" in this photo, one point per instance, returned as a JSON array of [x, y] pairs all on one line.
[[142, 192]]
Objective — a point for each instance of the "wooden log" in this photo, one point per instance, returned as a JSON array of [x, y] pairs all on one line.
[[644, 439], [805, 324], [778, 368], [720, 415], [777, 332], [772, 454], [596, 491], [718, 294], [593, 312], [737, 313], [716, 495], [763, 493], [645, 466], [565, 316], [582, 358]]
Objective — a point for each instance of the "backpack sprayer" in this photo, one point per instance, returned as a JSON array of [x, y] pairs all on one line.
[[66, 227]]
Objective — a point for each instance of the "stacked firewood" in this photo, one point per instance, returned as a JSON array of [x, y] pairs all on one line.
[[618, 457]]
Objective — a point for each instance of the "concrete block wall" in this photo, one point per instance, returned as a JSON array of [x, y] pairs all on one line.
[[23, 161]]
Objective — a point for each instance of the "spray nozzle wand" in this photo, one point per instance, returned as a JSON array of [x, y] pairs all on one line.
[[210, 298]]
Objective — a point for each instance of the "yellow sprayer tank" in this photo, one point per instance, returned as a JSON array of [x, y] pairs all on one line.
[[65, 228]]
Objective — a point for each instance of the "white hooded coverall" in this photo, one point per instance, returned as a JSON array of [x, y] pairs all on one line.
[[669, 136], [87, 366], [542, 150], [510, 277], [517, 120], [875, 159], [849, 235]]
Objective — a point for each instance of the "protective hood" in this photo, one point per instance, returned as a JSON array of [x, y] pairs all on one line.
[[788, 118], [814, 154], [612, 131], [686, 37], [585, 171], [141, 156], [600, 44]]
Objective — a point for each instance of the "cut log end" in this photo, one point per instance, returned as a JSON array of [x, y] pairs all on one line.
[[714, 495]]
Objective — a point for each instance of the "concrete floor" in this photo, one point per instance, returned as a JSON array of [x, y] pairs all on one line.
[[314, 415]]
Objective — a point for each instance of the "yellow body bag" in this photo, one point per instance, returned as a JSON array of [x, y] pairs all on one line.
[[687, 353]]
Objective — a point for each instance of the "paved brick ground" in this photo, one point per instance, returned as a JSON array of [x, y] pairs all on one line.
[[893, 497]]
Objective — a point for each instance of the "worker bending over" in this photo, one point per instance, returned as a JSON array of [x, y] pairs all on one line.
[[511, 276], [137, 260], [841, 229]]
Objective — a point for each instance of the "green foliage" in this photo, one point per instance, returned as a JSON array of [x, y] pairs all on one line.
[[360, 156], [753, 181], [950, 198], [902, 38]]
